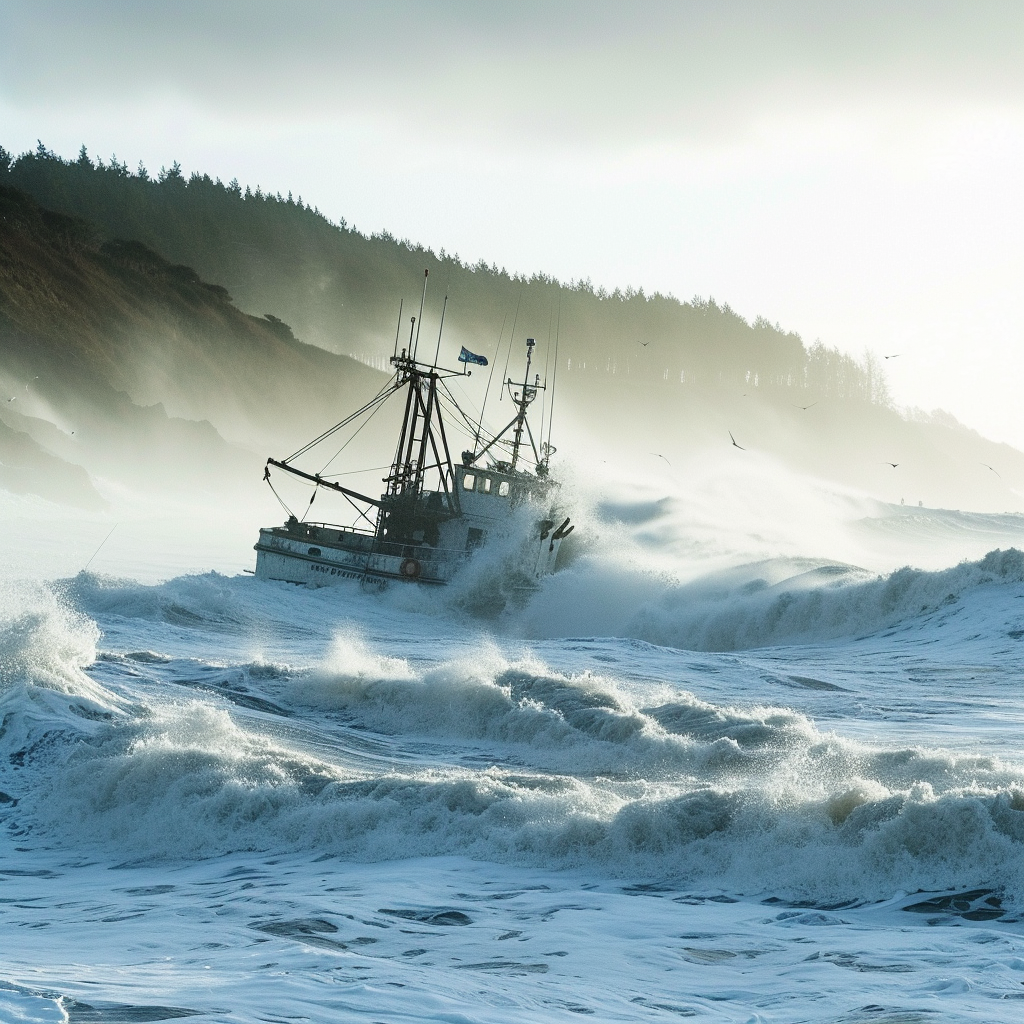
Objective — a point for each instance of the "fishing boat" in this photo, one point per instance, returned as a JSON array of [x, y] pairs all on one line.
[[434, 513]]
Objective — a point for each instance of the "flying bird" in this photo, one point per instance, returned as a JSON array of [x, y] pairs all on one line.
[[895, 355], [659, 456], [12, 399], [733, 439], [997, 473], [893, 464], [644, 343], [805, 407]]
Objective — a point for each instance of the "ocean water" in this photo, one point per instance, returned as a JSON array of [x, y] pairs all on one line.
[[705, 771]]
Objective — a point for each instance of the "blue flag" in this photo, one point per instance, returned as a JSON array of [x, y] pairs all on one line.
[[465, 356]]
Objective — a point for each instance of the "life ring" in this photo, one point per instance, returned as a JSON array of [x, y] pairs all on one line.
[[411, 568]]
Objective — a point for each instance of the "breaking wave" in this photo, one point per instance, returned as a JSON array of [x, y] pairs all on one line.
[[513, 762], [746, 608]]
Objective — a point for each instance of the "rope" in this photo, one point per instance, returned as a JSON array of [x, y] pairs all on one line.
[[511, 338], [353, 437], [385, 392], [278, 496], [308, 507]]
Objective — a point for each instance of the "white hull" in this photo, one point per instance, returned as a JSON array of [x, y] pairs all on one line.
[[320, 555]]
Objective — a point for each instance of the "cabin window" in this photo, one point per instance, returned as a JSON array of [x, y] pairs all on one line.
[[474, 538], [503, 488], [467, 481], [313, 551], [485, 484]]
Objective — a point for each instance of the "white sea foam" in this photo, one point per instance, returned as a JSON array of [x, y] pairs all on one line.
[[279, 762], [763, 604], [511, 762], [45, 647]]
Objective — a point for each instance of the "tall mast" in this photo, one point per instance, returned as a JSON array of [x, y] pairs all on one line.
[[522, 401], [422, 443], [416, 345]]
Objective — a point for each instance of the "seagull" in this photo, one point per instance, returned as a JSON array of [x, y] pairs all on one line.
[[644, 343], [14, 399], [733, 439], [657, 455], [997, 473], [895, 355], [805, 407], [893, 464]]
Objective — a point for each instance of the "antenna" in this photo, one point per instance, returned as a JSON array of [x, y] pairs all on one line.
[[398, 329], [528, 395], [416, 347], [437, 352]]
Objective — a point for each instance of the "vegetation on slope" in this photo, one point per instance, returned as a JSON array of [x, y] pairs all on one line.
[[113, 302], [119, 361], [339, 289]]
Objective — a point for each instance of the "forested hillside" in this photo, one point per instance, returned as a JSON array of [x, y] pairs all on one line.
[[340, 290], [197, 327], [113, 360]]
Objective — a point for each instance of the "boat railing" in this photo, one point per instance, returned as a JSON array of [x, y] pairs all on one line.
[[352, 537]]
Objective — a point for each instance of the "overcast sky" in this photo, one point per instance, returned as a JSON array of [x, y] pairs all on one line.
[[853, 171]]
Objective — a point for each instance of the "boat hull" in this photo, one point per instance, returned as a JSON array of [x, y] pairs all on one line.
[[295, 560], [323, 556]]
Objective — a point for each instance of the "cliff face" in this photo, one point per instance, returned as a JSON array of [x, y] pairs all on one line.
[[126, 367]]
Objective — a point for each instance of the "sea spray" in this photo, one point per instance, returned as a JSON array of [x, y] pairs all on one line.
[[514, 763]]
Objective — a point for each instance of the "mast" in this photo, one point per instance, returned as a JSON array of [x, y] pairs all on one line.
[[422, 447], [522, 401]]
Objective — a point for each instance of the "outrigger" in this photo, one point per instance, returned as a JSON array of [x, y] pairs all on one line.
[[433, 513]]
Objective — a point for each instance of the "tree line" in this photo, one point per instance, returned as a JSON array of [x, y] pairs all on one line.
[[339, 288]]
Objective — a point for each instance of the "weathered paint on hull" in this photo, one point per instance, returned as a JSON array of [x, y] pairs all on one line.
[[297, 560], [290, 561]]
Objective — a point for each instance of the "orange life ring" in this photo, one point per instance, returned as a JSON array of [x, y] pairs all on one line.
[[411, 568]]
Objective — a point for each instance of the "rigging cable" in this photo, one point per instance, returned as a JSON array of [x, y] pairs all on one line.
[[354, 472], [547, 359], [310, 505], [100, 548], [385, 392], [494, 362], [280, 500], [511, 338], [490, 377], [554, 373], [446, 392], [353, 437]]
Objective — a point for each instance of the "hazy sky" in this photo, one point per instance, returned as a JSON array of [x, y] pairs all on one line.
[[854, 171]]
